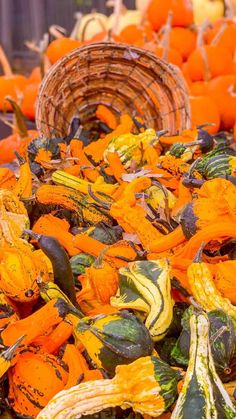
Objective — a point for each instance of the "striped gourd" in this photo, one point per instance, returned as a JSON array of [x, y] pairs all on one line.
[[203, 394], [145, 287]]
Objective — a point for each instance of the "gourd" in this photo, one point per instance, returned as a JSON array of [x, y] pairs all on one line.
[[144, 286], [203, 394], [221, 336], [19, 270], [204, 290], [112, 339], [148, 385], [29, 393]]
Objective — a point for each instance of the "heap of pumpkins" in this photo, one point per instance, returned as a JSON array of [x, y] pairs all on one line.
[[196, 38]]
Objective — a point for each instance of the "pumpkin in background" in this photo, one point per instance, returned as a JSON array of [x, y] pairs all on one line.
[[223, 91], [35, 75], [10, 84], [60, 47], [227, 38], [29, 99], [90, 25], [158, 10], [209, 61], [183, 40], [203, 111], [207, 9]]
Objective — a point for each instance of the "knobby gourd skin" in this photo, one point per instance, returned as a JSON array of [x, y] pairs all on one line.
[[148, 385], [145, 287], [203, 394]]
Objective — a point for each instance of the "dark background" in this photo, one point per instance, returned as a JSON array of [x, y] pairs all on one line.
[[22, 20]]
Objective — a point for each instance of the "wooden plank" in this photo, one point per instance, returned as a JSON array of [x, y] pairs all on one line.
[[6, 26]]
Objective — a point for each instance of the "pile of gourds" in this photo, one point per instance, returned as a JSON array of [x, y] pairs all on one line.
[[117, 270]]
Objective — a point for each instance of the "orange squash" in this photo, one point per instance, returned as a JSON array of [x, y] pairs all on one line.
[[203, 111], [158, 10]]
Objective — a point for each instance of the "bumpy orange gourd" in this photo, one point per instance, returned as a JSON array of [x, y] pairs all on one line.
[[30, 392]]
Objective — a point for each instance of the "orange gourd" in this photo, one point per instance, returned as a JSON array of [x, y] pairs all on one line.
[[198, 88], [203, 111], [35, 76], [158, 10], [173, 56], [30, 392], [223, 91], [7, 178]]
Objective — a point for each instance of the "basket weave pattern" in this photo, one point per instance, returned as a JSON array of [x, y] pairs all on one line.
[[123, 78]]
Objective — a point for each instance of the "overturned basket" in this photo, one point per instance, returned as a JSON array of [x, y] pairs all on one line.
[[123, 78]]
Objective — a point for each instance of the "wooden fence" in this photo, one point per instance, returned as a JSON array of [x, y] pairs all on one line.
[[22, 20]]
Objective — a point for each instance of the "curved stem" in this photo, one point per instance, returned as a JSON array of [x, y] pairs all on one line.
[[117, 12], [75, 30], [92, 19], [166, 37], [219, 34], [57, 31], [5, 63], [19, 117]]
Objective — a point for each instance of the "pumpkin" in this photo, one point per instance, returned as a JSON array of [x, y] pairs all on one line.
[[158, 10], [206, 62], [10, 84], [144, 286], [29, 393], [207, 9], [223, 91], [60, 47], [202, 394], [205, 110], [148, 385], [183, 40], [227, 37], [90, 25], [29, 99]]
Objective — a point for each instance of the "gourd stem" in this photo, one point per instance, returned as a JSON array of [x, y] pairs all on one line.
[[98, 261], [9, 353], [19, 118], [198, 256], [5, 63]]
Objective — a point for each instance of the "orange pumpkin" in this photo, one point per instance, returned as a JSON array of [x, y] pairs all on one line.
[[183, 40], [60, 47], [133, 34], [223, 91], [14, 143], [174, 57], [35, 76], [227, 39], [198, 88], [29, 99], [158, 10], [209, 61], [203, 111]]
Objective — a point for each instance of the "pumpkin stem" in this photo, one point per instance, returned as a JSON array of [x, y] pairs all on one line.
[[32, 234], [144, 13], [74, 33], [219, 34], [201, 47], [57, 31], [20, 159], [198, 256], [5, 63], [165, 42], [117, 12], [92, 19], [19, 117]]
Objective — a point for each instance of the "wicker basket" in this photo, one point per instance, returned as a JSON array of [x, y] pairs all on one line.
[[124, 78]]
